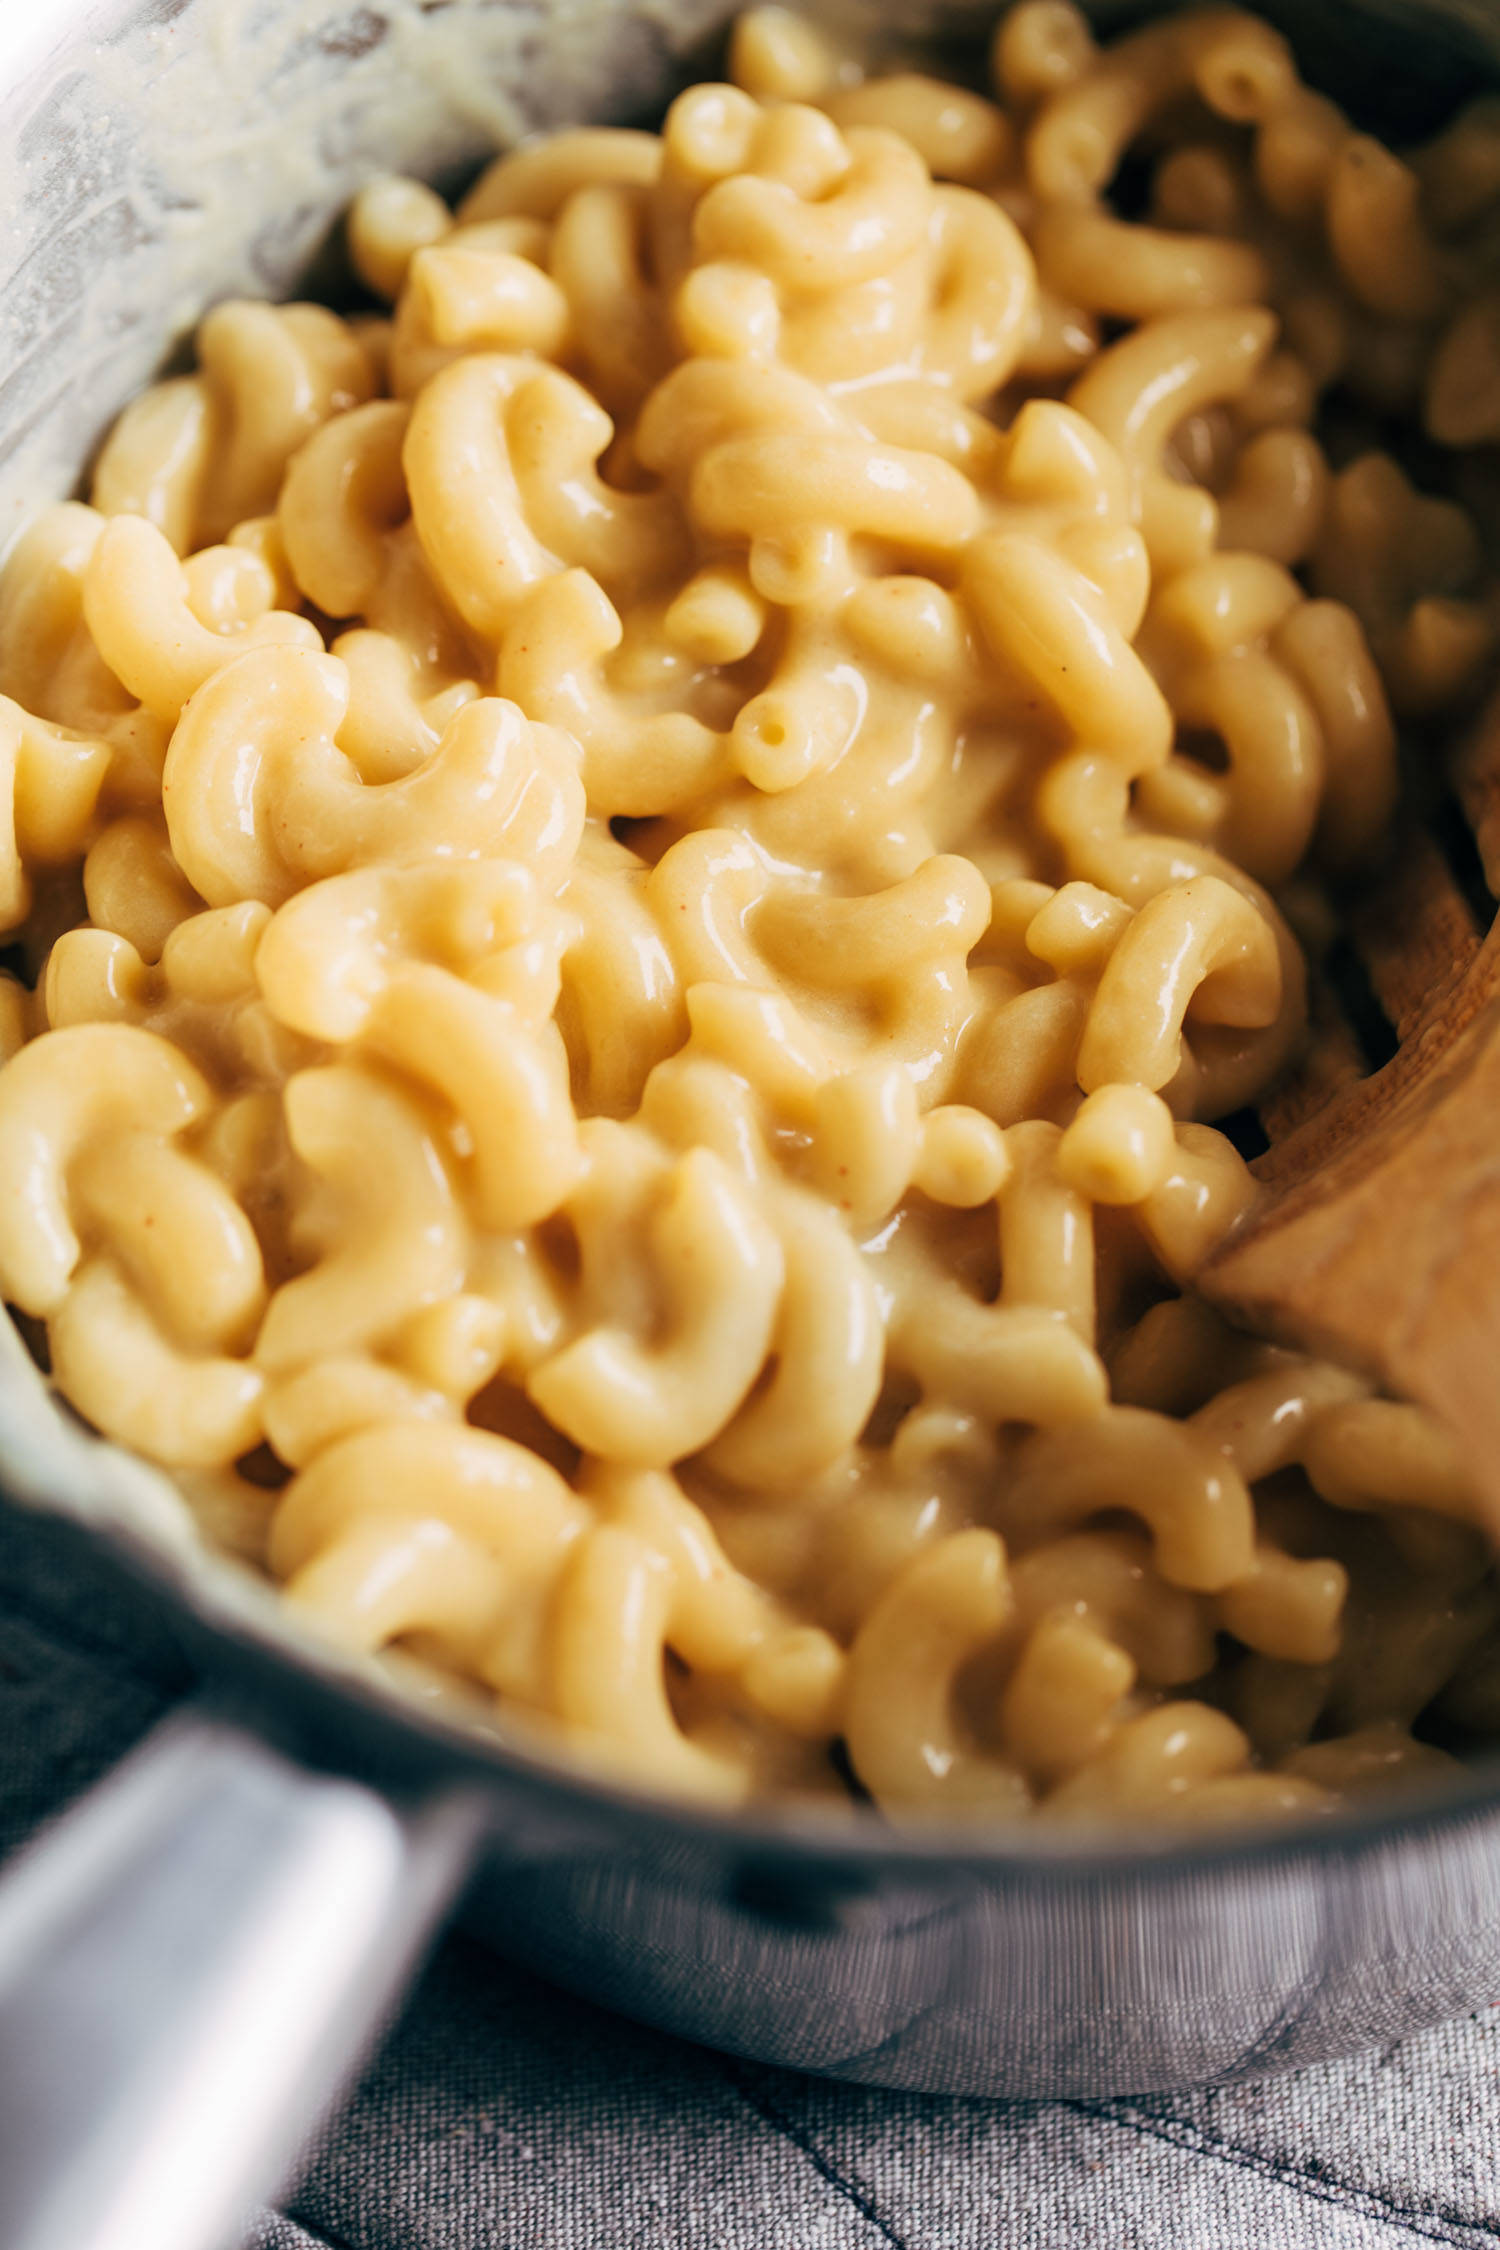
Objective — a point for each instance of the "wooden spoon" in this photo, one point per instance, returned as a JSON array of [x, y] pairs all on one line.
[[1378, 1238]]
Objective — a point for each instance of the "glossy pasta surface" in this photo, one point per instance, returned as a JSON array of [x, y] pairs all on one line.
[[643, 882]]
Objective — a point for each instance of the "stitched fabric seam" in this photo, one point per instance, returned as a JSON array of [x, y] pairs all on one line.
[[761, 2105], [1431, 2224]]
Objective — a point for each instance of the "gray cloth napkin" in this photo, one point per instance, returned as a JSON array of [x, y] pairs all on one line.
[[502, 2115]]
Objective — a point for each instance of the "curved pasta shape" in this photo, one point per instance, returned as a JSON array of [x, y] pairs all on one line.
[[962, 1157], [915, 624], [867, 1139], [1219, 607], [1237, 64], [773, 485], [343, 494], [1046, 1232], [556, 433], [329, 1399], [762, 1042], [1132, 272], [719, 1621], [456, 1345], [133, 885], [1053, 466], [983, 294], [389, 220], [137, 603], [1263, 1423], [185, 1409], [609, 1641], [1275, 500], [500, 464], [1061, 1704], [156, 458], [701, 890], [506, 1079], [1022, 1062], [906, 946], [1120, 1147], [93, 976], [1207, 1192], [1270, 730], [1191, 1498], [711, 131], [899, 1722], [721, 1273], [50, 786], [872, 217], [1404, 563], [695, 1099], [1007, 1363], [1288, 1608], [635, 761], [260, 799], [1050, 625], [776, 56], [1039, 47], [1377, 233], [827, 1347], [145, 1333], [325, 958], [207, 963], [48, 661], [705, 402], [621, 1009], [397, 710], [273, 374], [1200, 946], [409, 1526], [1083, 800], [63, 1094], [718, 617], [399, 1238], [1322, 645], [958, 135], [199, 455], [1140, 389], [1107, 1581], [177, 1234], [600, 259], [804, 720], [488, 291], [1182, 1758], [724, 310], [465, 501], [473, 293], [1375, 1452], [536, 182]]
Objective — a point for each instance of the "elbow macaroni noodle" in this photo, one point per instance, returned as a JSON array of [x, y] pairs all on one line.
[[643, 881]]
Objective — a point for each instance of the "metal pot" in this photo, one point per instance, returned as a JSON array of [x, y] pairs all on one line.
[[191, 1963]]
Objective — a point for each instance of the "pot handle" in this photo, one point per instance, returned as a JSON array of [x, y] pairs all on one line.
[[192, 1963]]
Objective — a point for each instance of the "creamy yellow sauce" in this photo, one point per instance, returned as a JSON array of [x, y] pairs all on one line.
[[645, 879]]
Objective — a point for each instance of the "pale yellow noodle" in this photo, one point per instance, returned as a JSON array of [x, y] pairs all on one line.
[[641, 879]]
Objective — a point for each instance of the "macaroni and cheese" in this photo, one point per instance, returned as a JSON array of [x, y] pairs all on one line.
[[639, 879]]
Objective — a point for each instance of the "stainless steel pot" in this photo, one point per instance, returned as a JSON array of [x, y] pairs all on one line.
[[191, 1962]]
